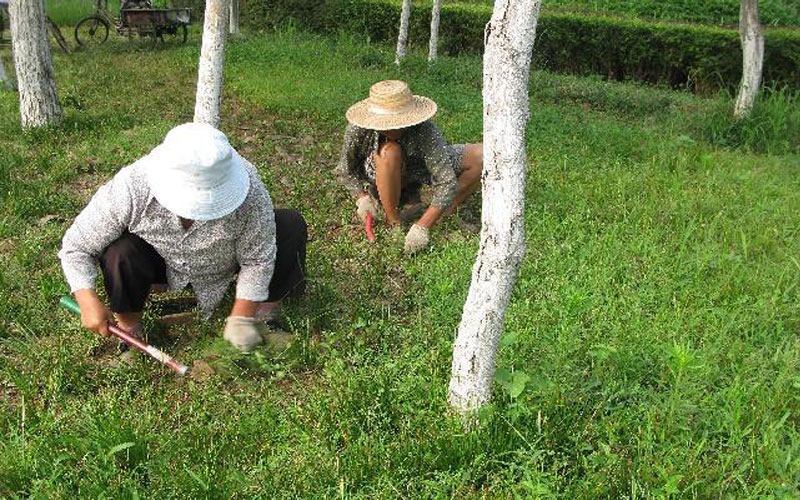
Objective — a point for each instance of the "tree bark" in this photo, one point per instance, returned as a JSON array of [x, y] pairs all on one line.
[[212, 63], [5, 80], [38, 99], [402, 35], [433, 44], [509, 40], [752, 57], [234, 17]]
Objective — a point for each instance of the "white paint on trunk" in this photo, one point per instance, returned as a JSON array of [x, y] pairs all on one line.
[[506, 68], [433, 44], [5, 79], [38, 99], [234, 17], [402, 35], [212, 63], [752, 57]]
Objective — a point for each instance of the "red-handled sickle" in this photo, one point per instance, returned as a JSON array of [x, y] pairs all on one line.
[[368, 227], [70, 304]]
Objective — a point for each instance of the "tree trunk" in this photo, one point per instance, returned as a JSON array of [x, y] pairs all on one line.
[[5, 79], [506, 67], [402, 35], [752, 57], [212, 62], [234, 15], [38, 99], [433, 44]]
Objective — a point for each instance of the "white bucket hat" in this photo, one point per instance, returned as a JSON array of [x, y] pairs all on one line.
[[196, 174], [390, 106]]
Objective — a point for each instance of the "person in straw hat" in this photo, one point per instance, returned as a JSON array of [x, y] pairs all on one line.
[[190, 213], [392, 147]]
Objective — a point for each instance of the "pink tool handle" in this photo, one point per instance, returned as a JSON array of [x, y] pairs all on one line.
[[70, 304], [368, 227], [148, 349]]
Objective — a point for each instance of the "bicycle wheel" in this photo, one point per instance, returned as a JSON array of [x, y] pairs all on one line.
[[174, 32], [92, 30]]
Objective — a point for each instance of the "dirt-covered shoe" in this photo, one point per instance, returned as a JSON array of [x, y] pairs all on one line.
[[412, 212], [275, 336], [135, 331]]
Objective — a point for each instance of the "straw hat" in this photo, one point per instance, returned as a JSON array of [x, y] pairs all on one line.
[[391, 106], [196, 174]]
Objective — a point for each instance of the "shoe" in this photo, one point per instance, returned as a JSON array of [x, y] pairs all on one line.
[[412, 212], [276, 338], [123, 346]]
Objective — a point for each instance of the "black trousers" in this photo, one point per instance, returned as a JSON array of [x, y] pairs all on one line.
[[131, 266]]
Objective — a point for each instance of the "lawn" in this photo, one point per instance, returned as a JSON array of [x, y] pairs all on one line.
[[656, 315]]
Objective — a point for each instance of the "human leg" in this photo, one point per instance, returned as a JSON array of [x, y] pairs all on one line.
[[388, 178], [469, 180], [291, 236], [130, 266]]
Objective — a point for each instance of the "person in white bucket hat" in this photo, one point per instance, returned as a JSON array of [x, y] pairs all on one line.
[[190, 213], [391, 148]]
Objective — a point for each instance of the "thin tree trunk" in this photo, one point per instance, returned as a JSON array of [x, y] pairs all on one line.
[[5, 79], [234, 15], [506, 67], [212, 63], [752, 57], [402, 35], [433, 44], [38, 99]]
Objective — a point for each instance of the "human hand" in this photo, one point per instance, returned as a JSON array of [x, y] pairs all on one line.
[[95, 316], [366, 204], [416, 239], [242, 332]]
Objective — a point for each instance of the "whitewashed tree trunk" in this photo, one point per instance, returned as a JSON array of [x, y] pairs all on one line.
[[5, 79], [506, 67], [433, 44], [212, 63], [234, 17], [38, 99], [752, 57], [402, 35]]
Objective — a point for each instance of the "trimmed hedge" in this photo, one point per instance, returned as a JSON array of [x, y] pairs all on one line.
[[701, 58]]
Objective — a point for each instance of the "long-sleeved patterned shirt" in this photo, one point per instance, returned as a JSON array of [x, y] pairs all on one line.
[[207, 255], [428, 160]]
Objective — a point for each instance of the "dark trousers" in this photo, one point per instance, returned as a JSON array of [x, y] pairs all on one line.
[[131, 266]]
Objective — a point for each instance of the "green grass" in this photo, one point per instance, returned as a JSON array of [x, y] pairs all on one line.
[[720, 12], [69, 12], [656, 315]]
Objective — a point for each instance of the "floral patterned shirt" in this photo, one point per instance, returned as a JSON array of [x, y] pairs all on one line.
[[428, 160], [207, 255]]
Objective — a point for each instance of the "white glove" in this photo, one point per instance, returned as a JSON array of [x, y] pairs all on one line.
[[242, 332], [366, 205], [416, 239]]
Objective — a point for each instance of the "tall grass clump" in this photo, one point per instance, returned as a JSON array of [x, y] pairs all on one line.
[[773, 127]]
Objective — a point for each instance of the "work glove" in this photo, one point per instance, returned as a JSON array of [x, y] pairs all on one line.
[[416, 239], [246, 333], [242, 332], [366, 205]]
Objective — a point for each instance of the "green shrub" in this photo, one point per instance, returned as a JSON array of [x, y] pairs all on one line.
[[773, 127], [718, 12], [702, 58]]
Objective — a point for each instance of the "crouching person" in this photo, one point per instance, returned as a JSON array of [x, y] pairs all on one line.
[[391, 148], [191, 213]]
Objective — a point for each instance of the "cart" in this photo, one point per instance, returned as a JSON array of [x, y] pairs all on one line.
[[136, 17]]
